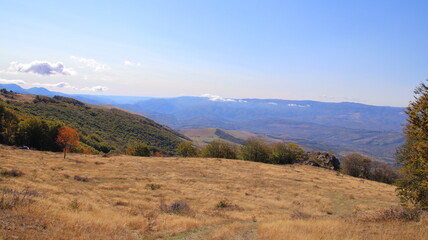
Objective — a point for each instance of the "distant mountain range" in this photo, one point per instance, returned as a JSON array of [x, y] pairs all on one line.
[[339, 127]]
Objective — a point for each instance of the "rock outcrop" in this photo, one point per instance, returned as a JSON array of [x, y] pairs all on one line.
[[322, 159]]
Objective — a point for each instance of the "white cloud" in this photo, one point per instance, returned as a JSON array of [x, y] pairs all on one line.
[[340, 99], [41, 68], [132, 64], [95, 89], [91, 63], [216, 98], [298, 105], [272, 103], [11, 81]]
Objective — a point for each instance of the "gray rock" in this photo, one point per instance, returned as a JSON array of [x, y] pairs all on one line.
[[322, 159]]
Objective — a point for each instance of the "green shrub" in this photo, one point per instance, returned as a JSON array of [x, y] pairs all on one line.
[[186, 149], [38, 133], [382, 172], [138, 149], [219, 149], [286, 153], [356, 165], [255, 150]]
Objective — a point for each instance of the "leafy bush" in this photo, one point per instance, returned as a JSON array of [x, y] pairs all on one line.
[[360, 166], [95, 141], [138, 149], [286, 153], [255, 150], [382, 172], [357, 165], [186, 149], [219, 149]]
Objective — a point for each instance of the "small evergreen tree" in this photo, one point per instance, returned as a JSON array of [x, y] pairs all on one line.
[[413, 155]]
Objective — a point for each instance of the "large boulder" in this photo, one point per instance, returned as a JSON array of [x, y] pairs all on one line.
[[322, 159]]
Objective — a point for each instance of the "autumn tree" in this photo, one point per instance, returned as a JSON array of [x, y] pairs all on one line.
[[413, 155], [186, 149], [67, 138]]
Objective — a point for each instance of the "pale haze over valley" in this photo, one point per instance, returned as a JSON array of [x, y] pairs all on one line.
[[371, 52]]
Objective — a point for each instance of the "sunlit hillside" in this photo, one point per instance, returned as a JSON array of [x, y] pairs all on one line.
[[123, 197]]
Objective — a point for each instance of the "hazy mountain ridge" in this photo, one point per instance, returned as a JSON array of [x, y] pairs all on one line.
[[340, 127]]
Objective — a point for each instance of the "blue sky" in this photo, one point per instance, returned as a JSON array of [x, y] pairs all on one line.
[[373, 52]]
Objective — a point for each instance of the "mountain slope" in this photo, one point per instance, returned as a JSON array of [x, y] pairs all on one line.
[[113, 125]]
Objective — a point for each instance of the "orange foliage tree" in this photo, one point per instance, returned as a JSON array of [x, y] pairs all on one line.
[[67, 138]]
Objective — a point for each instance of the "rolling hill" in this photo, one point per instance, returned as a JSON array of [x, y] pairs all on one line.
[[124, 197], [115, 126]]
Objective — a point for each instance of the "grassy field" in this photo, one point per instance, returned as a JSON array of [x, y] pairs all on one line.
[[123, 197]]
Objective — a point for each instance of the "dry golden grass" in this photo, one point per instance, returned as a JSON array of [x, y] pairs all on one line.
[[117, 201]]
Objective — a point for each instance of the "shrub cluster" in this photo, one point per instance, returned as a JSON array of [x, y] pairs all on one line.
[[220, 149], [253, 149], [138, 149], [186, 149], [357, 165]]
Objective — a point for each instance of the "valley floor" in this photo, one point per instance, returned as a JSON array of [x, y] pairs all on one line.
[[123, 197]]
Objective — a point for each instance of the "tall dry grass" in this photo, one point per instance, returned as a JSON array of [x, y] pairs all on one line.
[[121, 197]]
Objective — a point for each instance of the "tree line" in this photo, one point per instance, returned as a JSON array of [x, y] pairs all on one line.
[[257, 150]]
